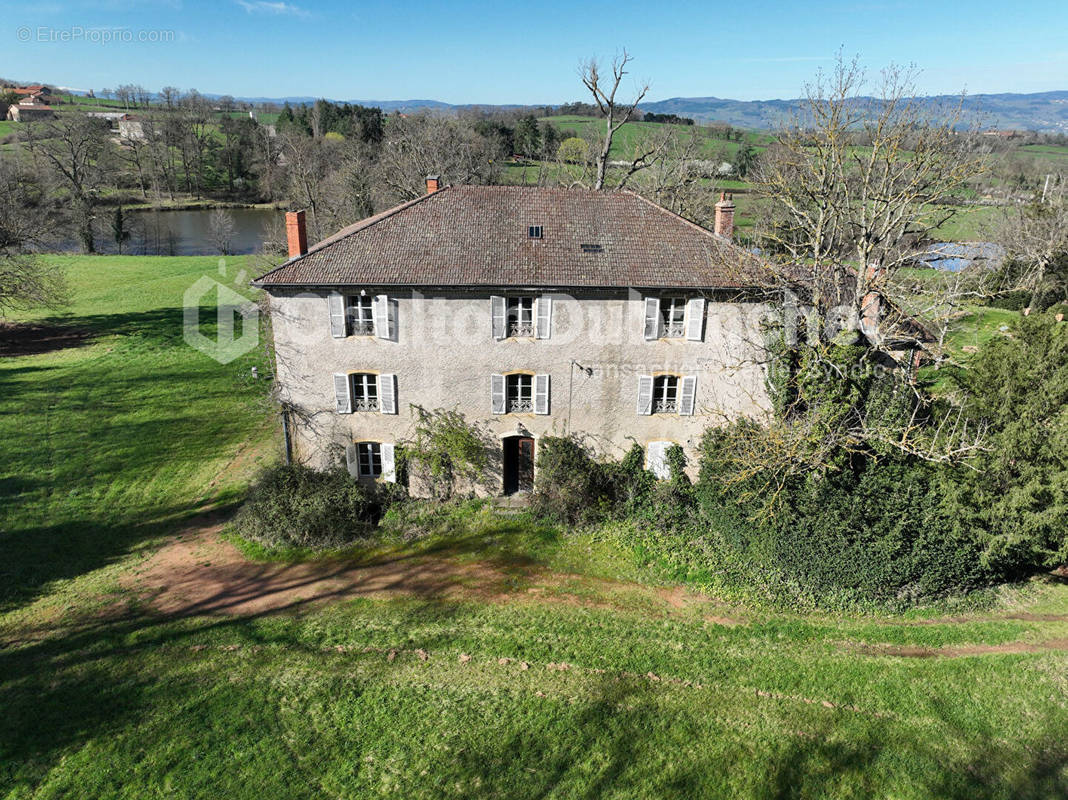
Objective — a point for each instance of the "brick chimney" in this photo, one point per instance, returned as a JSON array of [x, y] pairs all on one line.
[[296, 233], [433, 183], [724, 216], [871, 304]]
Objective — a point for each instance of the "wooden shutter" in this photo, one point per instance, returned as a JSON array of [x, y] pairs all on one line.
[[380, 315], [387, 393], [652, 318], [335, 301], [497, 394], [545, 316], [541, 394], [499, 312], [695, 318], [656, 459], [645, 394], [342, 393], [352, 460], [389, 465], [687, 394]]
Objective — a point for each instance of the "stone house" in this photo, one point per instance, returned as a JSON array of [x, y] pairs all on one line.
[[29, 108], [533, 311]]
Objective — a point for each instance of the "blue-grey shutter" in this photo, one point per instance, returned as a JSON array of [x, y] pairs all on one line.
[[695, 318], [342, 394], [687, 394], [380, 315], [541, 394], [335, 302], [652, 318], [389, 466], [499, 312], [387, 393], [545, 316], [352, 460], [497, 394], [645, 394]]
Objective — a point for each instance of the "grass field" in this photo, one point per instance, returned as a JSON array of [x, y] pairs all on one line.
[[555, 664]]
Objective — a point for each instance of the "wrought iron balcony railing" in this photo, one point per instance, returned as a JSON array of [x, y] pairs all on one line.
[[666, 407], [520, 406], [521, 329], [365, 404]]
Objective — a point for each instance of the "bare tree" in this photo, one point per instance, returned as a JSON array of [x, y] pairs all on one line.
[[76, 148], [221, 228], [616, 114], [854, 215], [1035, 239]]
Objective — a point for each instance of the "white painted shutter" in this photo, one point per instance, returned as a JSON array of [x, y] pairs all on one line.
[[645, 394], [335, 301], [387, 393], [687, 394], [695, 318], [352, 460], [652, 318], [656, 459], [499, 311], [545, 316], [342, 393], [380, 315], [497, 394], [389, 466], [541, 394]]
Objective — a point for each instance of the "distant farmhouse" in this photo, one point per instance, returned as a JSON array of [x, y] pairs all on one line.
[[534, 311], [30, 107]]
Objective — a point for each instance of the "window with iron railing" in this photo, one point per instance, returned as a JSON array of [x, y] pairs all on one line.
[[666, 394], [520, 312], [360, 315], [673, 313], [519, 397], [364, 391]]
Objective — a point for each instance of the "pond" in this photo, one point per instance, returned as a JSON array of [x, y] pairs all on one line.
[[182, 233]]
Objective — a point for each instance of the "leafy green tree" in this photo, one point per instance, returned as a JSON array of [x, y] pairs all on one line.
[[573, 150], [744, 160], [527, 136]]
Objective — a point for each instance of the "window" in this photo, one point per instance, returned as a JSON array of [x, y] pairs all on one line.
[[591, 248], [666, 394], [369, 459], [673, 314], [520, 316], [520, 395], [364, 391], [534, 231], [359, 315]]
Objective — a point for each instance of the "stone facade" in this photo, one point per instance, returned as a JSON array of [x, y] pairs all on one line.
[[443, 351]]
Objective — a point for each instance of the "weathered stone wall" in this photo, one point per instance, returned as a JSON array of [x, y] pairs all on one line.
[[444, 354]]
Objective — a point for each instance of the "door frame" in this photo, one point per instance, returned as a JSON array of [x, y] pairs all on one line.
[[510, 473]]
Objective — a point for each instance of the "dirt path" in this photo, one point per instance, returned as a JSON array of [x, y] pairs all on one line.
[[200, 573]]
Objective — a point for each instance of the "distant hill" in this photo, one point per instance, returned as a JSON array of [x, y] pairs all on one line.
[[1045, 111]]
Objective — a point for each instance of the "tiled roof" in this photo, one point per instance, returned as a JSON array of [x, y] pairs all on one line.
[[478, 236]]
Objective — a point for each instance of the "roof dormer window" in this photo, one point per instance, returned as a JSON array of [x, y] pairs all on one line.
[[534, 231]]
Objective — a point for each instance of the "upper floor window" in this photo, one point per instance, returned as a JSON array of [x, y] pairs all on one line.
[[364, 391], [519, 393], [359, 313], [362, 315], [521, 317], [666, 394], [674, 318]]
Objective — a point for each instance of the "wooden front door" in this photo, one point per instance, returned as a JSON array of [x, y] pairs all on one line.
[[518, 464]]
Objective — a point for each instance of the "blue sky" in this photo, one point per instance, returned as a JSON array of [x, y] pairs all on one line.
[[467, 51]]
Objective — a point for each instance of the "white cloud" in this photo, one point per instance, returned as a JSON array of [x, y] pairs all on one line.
[[277, 8]]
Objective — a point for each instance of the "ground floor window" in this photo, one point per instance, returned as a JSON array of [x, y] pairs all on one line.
[[369, 458]]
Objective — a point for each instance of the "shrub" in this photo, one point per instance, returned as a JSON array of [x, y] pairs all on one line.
[[571, 487], [445, 450], [296, 506]]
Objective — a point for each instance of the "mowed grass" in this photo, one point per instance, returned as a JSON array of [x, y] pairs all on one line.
[[602, 685], [109, 444]]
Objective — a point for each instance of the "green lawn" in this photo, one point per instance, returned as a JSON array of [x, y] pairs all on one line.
[[630, 689]]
